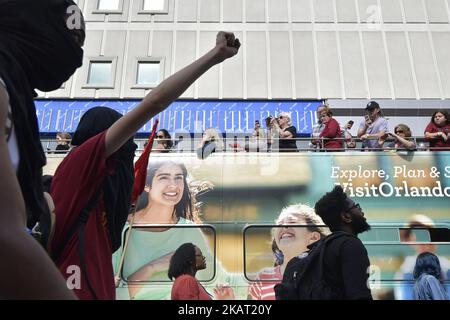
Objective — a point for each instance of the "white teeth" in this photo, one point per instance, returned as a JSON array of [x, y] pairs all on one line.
[[171, 194], [286, 235]]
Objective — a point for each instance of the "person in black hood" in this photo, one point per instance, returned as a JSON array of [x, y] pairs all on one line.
[[92, 186], [40, 48]]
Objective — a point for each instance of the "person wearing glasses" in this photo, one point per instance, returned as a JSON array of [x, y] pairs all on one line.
[[163, 141], [286, 131], [402, 135], [346, 262], [183, 267]]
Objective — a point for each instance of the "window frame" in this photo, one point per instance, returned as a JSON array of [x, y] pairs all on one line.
[[139, 60], [367, 243], [106, 11], [186, 226], [110, 85], [163, 11]]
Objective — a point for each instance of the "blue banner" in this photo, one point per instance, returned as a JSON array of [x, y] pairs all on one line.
[[183, 115]]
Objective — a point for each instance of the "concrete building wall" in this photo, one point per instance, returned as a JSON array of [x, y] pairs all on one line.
[[292, 49]]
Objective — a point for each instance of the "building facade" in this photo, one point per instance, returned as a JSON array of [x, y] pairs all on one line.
[[347, 51]]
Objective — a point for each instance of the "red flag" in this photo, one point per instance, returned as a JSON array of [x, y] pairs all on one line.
[[140, 167]]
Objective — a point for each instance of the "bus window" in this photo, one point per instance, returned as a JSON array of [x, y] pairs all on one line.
[[268, 248], [150, 247], [393, 262]]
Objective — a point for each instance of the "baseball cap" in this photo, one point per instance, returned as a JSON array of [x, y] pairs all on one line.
[[372, 105]]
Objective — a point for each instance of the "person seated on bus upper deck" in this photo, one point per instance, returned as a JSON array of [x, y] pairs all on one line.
[[272, 133], [287, 132], [210, 143], [405, 272], [402, 133], [286, 244], [316, 143], [373, 129], [258, 141], [331, 134], [258, 132], [438, 131], [184, 264], [163, 141], [347, 137], [63, 142], [427, 273]]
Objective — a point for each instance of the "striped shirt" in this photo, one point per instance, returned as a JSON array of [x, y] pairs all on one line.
[[266, 279]]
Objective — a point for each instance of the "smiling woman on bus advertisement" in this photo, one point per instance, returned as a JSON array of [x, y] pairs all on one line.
[[287, 242], [169, 200]]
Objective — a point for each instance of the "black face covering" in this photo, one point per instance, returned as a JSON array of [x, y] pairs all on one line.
[[37, 51], [117, 187], [36, 39]]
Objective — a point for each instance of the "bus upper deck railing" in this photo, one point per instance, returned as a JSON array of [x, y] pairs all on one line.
[[252, 144]]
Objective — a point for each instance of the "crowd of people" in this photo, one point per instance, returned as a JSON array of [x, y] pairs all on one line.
[[327, 135], [83, 214], [317, 255], [40, 48]]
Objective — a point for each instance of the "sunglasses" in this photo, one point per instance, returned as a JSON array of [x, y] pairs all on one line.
[[160, 137], [399, 131]]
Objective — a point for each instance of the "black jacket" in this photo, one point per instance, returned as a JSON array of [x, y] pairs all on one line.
[[346, 266]]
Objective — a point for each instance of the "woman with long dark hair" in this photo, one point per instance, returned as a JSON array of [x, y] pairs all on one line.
[[374, 128], [437, 131], [184, 264], [402, 135], [168, 199], [163, 141]]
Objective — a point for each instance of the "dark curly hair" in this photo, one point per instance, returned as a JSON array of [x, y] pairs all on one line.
[[330, 206], [167, 141], [444, 113], [182, 261], [428, 263]]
